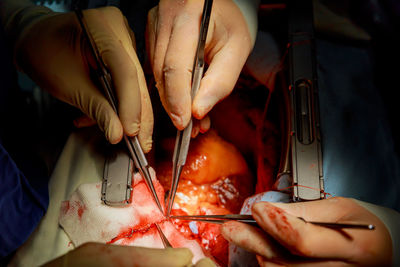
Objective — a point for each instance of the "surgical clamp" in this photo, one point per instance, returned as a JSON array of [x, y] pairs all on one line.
[[183, 137], [132, 143]]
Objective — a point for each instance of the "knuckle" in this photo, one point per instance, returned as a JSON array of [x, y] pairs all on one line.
[[171, 70]]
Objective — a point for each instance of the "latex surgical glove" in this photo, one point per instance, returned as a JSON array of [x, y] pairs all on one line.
[[289, 241], [96, 254], [53, 52], [172, 35]]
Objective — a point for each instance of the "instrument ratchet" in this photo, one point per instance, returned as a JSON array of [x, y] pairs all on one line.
[[132, 143], [183, 137]]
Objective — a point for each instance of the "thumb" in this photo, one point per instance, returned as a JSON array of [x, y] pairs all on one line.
[[98, 108], [205, 262]]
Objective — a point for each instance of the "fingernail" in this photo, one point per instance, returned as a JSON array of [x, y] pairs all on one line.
[[177, 121], [147, 145], [203, 105], [114, 133], [205, 124], [132, 129], [195, 130]]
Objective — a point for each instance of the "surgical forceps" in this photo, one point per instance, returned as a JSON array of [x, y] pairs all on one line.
[[106, 82], [248, 219], [183, 137], [164, 239]]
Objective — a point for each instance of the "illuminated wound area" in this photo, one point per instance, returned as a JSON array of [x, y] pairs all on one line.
[[215, 180], [215, 174], [85, 218]]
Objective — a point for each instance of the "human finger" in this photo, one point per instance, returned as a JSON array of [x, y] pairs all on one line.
[[147, 118], [268, 251], [221, 76], [195, 128], [158, 30], [120, 65], [263, 262], [250, 238], [58, 66], [151, 33], [96, 254], [205, 262], [308, 240], [116, 44], [178, 65], [93, 103], [205, 124], [299, 263]]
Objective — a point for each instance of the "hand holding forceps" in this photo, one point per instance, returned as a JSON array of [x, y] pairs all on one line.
[[183, 137], [121, 194]]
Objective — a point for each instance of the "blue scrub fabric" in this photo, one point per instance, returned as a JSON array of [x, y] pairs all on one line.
[[23, 176], [359, 157], [23, 203]]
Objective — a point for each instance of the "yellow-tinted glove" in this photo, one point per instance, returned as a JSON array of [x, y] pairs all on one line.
[[96, 254], [51, 49]]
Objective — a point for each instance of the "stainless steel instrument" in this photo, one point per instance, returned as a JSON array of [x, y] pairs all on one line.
[[120, 195], [248, 219], [305, 137], [183, 137]]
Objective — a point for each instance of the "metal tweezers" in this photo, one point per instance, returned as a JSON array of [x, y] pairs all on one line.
[[106, 82], [183, 137], [248, 219], [164, 239]]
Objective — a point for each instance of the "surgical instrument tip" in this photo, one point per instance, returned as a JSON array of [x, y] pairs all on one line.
[[106, 82], [164, 239], [147, 178], [177, 164], [183, 137]]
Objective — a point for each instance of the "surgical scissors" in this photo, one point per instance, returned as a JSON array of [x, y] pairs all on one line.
[[248, 219], [105, 79], [183, 137]]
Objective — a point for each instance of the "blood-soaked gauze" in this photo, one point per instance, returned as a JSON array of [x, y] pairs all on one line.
[[85, 218]]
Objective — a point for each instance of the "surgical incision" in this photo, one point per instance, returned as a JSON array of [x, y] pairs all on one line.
[[218, 176]]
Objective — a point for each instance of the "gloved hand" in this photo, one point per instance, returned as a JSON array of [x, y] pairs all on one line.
[[288, 240], [54, 53], [96, 254], [172, 35]]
